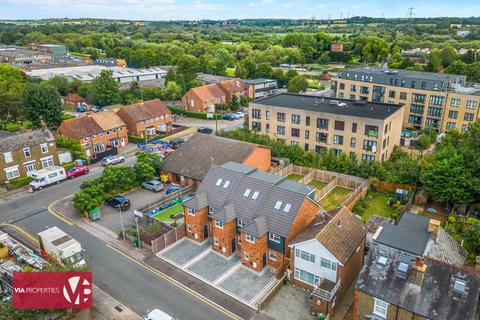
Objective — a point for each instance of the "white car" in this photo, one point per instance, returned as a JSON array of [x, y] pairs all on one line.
[[158, 314], [112, 160], [241, 114]]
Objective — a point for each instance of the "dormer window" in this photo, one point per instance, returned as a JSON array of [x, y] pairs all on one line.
[[226, 184], [278, 204], [287, 208], [255, 195], [247, 193], [219, 182], [459, 286], [211, 210]]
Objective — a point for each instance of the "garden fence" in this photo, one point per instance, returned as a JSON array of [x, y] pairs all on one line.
[[168, 238]]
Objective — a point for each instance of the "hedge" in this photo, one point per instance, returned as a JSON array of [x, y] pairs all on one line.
[[198, 115], [20, 182], [12, 127], [68, 166]]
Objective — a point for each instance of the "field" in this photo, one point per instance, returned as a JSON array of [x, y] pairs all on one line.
[[375, 203], [335, 198], [317, 184], [295, 177], [164, 216]]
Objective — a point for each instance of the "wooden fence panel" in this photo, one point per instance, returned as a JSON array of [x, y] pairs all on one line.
[[168, 238]]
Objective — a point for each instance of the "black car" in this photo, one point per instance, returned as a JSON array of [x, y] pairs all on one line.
[[176, 143], [205, 130], [118, 202]]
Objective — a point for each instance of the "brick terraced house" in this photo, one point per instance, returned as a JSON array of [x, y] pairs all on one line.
[[327, 256], [245, 210], [146, 118], [204, 98], [96, 132]]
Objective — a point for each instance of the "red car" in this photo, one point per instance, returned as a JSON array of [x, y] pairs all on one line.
[[77, 171]]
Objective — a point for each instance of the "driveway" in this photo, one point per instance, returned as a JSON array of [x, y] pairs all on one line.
[[212, 124]]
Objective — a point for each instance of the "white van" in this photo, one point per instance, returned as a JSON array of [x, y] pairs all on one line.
[[158, 314], [47, 176]]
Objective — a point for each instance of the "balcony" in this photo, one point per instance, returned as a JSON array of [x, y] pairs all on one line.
[[326, 289]]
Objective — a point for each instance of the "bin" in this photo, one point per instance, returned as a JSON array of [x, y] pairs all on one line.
[[321, 316], [95, 214]]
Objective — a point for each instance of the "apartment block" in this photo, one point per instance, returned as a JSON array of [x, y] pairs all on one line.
[[432, 100], [365, 129]]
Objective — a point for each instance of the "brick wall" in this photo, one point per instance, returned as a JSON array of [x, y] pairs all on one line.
[[277, 264], [186, 181], [225, 237], [305, 215], [260, 158], [255, 252], [196, 223]]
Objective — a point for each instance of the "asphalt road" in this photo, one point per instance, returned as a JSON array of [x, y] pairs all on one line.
[[222, 124], [125, 280]]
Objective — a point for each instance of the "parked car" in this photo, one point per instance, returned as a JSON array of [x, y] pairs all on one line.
[[96, 109], [158, 314], [153, 185], [118, 202], [172, 189], [81, 109], [112, 160], [205, 130], [229, 117], [77, 171], [176, 143], [240, 114], [47, 176]]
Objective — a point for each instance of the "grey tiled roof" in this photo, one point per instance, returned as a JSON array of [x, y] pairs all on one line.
[[258, 227], [447, 249], [268, 189], [433, 299], [26, 139], [200, 201], [226, 214]]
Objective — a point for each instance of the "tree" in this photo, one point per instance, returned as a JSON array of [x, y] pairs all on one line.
[[297, 84], [104, 89], [61, 83], [472, 238], [42, 101], [457, 67], [244, 100], [447, 55], [234, 103], [187, 66], [172, 91], [435, 62], [11, 89]]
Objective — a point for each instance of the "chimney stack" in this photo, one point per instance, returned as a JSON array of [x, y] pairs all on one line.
[[433, 226], [418, 272]]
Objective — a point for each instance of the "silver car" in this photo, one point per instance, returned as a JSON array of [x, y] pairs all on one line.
[[153, 185], [112, 160]]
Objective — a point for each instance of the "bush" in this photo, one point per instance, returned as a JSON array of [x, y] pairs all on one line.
[[72, 145], [20, 182], [68, 166], [12, 127], [198, 115], [135, 139]]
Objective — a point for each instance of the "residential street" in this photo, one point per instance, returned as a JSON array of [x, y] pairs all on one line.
[[222, 124]]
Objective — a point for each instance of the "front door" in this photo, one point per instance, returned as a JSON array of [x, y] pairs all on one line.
[[233, 245], [264, 260], [205, 232]]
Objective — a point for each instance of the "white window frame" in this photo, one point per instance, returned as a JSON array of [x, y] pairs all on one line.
[[255, 195], [226, 184], [191, 212], [27, 151], [240, 223], [274, 237], [249, 238], [287, 208], [278, 205], [325, 262], [219, 182], [380, 308], [304, 255], [8, 157], [219, 224], [211, 210], [297, 275], [247, 192], [272, 255], [44, 148], [245, 255], [28, 167], [11, 170], [47, 162]]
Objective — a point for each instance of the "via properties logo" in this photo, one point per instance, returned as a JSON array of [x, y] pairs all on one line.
[[77, 290]]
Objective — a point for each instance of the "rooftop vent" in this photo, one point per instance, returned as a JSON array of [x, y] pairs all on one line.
[[382, 260]]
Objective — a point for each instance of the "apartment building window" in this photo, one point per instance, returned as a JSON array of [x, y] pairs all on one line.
[[47, 162], [219, 224], [320, 149], [256, 126], [455, 102], [306, 147], [12, 172], [371, 131], [354, 127], [267, 127], [403, 83], [44, 148], [280, 117], [368, 158], [341, 86], [249, 238], [464, 127], [337, 139], [26, 152], [396, 82], [364, 90], [415, 108], [416, 120], [412, 84], [306, 276], [305, 255], [353, 142], [380, 308], [353, 88], [471, 104], [307, 134], [281, 130], [451, 125], [437, 100], [267, 115], [8, 157], [295, 119], [369, 145], [453, 114], [256, 114], [392, 94], [339, 125], [353, 97], [321, 137], [424, 85], [322, 123], [434, 112], [419, 98], [432, 123], [307, 121], [384, 143], [337, 152], [468, 116], [403, 96], [332, 265]]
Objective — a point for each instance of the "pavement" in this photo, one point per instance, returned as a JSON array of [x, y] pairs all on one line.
[[289, 303], [108, 308]]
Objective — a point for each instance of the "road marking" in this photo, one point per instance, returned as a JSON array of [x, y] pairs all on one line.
[[59, 215], [178, 284], [21, 230]]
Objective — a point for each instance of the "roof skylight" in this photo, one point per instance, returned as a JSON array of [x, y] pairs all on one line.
[[287, 208], [226, 184], [278, 205], [255, 195], [247, 192], [219, 182]]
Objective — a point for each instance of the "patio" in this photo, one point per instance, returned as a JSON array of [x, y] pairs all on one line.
[[183, 251], [212, 266]]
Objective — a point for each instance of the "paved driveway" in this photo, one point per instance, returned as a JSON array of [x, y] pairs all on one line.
[[222, 124]]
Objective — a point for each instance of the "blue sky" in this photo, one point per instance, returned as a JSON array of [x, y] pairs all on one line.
[[215, 9]]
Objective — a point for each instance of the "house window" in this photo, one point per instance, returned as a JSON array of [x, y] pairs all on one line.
[[368, 158], [328, 264], [245, 255], [100, 135], [226, 184], [99, 147], [287, 208], [47, 162], [30, 167], [12, 172], [26, 152], [240, 223], [256, 126], [306, 276], [272, 255], [273, 237], [190, 211], [278, 204], [451, 125], [94, 136], [247, 192], [307, 134], [321, 137], [305, 255], [215, 240], [211, 210], [255, 195], [464, 127], [219, 224], [267, 115], [256, 114], [380, 308], [249, 237], [189, 228], [8, 157], [44, 148], [219, 182]]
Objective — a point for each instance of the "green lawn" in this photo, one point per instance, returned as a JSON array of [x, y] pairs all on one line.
[[317, 184], [165, 215], [335, 198], [295, 176], [377, 203], [230, 72]]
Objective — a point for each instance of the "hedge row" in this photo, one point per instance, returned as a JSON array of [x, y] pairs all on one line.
[[20, 182], [198, 115], [68, 166]]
